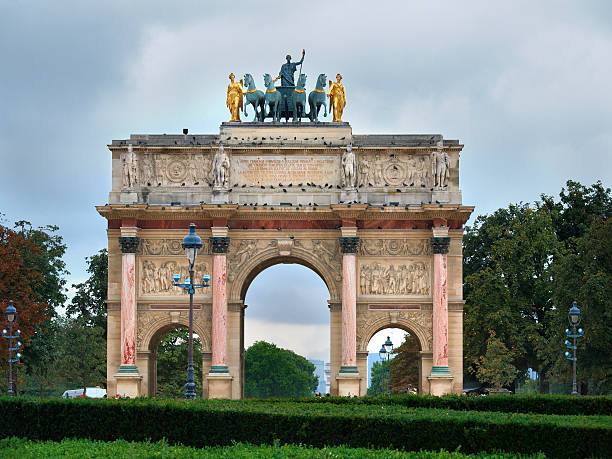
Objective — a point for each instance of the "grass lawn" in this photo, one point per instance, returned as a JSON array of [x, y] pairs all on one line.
[[21, 448]]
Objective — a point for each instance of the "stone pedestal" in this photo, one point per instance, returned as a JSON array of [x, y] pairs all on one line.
[[128, 197], [220, 196], [349, 195], [219, 385], [440, 384], [128, 382], [348, 384]]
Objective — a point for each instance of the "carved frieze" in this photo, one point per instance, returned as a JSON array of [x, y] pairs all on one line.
[[391, 169], [394, 247], [156, 276], [169, 247], [394, 279]]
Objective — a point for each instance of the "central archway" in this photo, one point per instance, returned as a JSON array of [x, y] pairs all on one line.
[[287, 307], [320, 256]]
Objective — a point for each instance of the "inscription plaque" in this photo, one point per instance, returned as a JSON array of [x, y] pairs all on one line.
[[294, 169]]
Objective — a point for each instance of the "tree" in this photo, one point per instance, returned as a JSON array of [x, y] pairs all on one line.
[[83, 353], [378, 384], [18, 281], [89, 301], [172, 354], [404, 367], [510, 288], [524, 265], [495, 366], [50, 290], [270, 371], [43, 359]]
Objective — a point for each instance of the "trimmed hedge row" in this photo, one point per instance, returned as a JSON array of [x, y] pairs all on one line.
[[221, 422], [24, 449], [541, 404]]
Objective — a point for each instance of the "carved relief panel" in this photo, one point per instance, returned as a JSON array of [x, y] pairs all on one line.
[[156, 276], [396, 278], [161, 169], [378, 169], [169, 247]]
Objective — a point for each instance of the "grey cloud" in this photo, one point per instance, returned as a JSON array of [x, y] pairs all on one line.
[[524, 85]]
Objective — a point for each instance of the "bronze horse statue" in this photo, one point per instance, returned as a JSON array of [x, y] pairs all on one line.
[[254, 97]]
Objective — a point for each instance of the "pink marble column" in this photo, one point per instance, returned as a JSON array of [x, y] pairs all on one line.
[[129, 245], [440, 305], [349, 304], [219, 305]]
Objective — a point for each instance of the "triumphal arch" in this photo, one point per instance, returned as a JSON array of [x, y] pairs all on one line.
[[378, 217]]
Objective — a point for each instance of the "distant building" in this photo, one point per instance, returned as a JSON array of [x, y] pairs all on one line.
[[319, 371], [327, 377]]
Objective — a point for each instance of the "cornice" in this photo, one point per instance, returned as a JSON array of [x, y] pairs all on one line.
[[333, 212]]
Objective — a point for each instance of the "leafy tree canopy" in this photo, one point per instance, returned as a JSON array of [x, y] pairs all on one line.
[[270, 371], [89, 301]]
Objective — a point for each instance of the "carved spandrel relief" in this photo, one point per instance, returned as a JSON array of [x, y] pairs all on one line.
[[169, 247], [421, 319], [394, 279], [394, 247], [151, 321], [243, 250], [156, 277], [391, 169]]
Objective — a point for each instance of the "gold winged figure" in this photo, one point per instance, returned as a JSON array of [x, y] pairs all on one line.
[[337, 98], [235, 94]]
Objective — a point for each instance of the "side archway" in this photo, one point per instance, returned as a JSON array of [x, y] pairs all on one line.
[[152, 327]]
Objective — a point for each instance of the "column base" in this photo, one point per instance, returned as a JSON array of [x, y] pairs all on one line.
[[219, 384], [128, 381], [440, 381], [348, 383]]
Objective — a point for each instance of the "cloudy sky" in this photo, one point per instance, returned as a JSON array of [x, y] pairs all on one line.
[[524, 85]]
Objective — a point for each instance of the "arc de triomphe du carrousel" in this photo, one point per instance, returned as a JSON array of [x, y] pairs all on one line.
[[378, 217]]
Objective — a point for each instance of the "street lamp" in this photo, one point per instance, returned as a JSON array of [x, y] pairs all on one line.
[[573, 317], [385, 354], [191, 243], [10, 316]]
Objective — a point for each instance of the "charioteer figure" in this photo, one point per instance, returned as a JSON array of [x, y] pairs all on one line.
[[288, 69]]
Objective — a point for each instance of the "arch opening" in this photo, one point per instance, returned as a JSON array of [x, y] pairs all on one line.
[[397, 368], [287, 302], [168, 356]]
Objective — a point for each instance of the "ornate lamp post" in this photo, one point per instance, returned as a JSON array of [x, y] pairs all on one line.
[[10, 316], [191, 243], [574, 317], [385, 354]]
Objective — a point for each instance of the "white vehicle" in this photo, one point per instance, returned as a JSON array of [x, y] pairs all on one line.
[[92, 392]]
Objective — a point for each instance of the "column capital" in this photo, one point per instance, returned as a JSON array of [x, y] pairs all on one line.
[[219, 244], [129, 244], [439, 245], [349, 244]]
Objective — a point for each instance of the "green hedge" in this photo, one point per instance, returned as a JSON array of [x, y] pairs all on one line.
[[24, 449], [541, 404], [221, 422]]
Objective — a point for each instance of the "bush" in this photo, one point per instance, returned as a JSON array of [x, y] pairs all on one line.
[[24, 449], [221, 422], [539, 404]]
